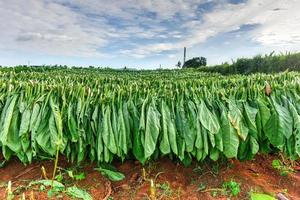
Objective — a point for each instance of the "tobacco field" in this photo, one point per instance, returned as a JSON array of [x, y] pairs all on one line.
[[105, 115]]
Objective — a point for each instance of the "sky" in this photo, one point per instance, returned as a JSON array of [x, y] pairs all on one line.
[[144, 34]]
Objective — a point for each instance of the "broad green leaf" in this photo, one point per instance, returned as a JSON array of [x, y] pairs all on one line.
[[296, 128], [152, 130], [76, 192], [107, 132], [48, 183], [191, 134], [254, 145], [56, 129], [279, 126], [164, 145], [259, 196], [237, 120], [230, 137], [173, 132], [208, 119], [110, 173], [25, 122], [72, 126], [285, 119], [137, 148], [273, 130], [122, 132], [6, 119]]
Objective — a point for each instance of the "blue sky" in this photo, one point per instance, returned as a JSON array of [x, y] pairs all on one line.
[[144, 33]]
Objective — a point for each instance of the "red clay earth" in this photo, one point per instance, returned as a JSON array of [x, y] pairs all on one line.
[[179, 182]]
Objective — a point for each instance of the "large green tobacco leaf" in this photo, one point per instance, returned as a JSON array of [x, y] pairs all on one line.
[[182, 129], [122, 132], [285, 120], [13, 139], [165, 146], [35, 120], [199, 137], [296, 128], [273, 130], [99, 143], [8, 131], [250, 116], [205, 140], [186, 125], [34, 117], [264, 112], [56, 129], [24, 129], [46, 134], [214, 154], [297, 138], [6, 118], [254, 145], [181, 147], [191, 133], [237, 120], [230, 136], [115, 126], [152, 130], [173, 132], [128, 124], [72, 125], [279, 126], [139, 131], [208, 119], [219, 140], [107, 132]]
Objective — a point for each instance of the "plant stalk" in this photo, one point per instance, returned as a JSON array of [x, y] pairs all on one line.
[[55, 165]]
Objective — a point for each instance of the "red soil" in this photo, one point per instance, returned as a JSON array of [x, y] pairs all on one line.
[[180, 182]]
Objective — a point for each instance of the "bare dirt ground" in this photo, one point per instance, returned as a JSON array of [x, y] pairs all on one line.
[[174, 181]]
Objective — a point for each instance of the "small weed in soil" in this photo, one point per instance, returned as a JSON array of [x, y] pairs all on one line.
[[232, 188], [283, 169]]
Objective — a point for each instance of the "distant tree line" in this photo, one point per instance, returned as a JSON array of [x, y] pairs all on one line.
[[195, 62], [269, 63]]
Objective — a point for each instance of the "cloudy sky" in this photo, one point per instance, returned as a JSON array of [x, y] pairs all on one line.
[[144, 33]]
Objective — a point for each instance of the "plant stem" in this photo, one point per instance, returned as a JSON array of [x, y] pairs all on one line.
[[55, 165], [213, 189], [152, 190]]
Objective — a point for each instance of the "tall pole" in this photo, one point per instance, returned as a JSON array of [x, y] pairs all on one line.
[[184, 55]]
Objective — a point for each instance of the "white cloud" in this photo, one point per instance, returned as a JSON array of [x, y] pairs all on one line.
[[278, 20], [85, 28], [278, 25], [37, 26]]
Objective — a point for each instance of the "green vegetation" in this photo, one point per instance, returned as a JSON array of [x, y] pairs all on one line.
[[55, 189], [78, 193], [259, 64], [166, 189], [232, 188], [259, 196], [103, 115], [229, 188], [195, 63], [283, 169], [110, 172]]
